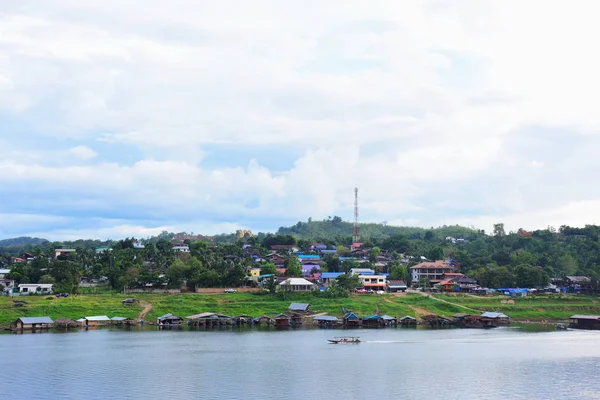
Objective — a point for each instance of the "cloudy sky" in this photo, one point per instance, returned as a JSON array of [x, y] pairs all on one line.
[[121, 118]]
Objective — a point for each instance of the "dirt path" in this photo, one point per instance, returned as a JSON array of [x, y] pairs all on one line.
[[145, 311], [419, 312]]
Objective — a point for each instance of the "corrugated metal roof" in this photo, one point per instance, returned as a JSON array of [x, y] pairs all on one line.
[[119, 318], [325, 318], [202, 315], [299, 306], [387, 318], [585, 316], [36, 320], [330, 275], [97, 318], [490, 314]]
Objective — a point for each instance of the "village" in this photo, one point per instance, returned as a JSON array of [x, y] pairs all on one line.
[[371, 275]]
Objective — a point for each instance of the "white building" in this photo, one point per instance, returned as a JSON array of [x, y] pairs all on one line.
[[184, 248], [297, 285], [35, 288], [8, 284], [374, 282], [4, 272], [361, 271], [431, 270]]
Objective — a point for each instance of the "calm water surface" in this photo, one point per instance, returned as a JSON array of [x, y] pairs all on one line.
[[504, 363]]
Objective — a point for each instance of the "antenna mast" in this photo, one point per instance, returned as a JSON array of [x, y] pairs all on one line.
[[355, 230]]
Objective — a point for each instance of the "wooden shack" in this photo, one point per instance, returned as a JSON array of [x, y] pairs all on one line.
[[584, 322], [120, 321], [94, 321], [351, 320], [169, 320], [32, 323], [282, 320], [326, 321], [408, 321], [371, 321], [65, 323]]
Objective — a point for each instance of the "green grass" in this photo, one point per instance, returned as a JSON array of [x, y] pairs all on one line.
[[531, 308]]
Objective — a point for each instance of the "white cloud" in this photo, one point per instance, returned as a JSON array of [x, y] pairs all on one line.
[[83, 152], [440, 113]]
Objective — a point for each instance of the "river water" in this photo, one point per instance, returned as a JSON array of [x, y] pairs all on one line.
[[503, 363]]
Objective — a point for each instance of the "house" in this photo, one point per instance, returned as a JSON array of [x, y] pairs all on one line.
[[307, 268], [282, 320], [351, 320], [584, 322], [122, 321], [35, 288], [299, 307], [32, 323], [255, 272], [280, 247], [318, 246], [496, 317], [101, 250], [327, 277], [94, 321], [432, 270], [371, 320], [275, 259], [65, 323], [297, 285], [361, 271], [407, 321], [396, 286], [183, 248], [327, 321], [61, 254], [7, 284], [4, 272], [308, 258], [374, 282], [168, 319]]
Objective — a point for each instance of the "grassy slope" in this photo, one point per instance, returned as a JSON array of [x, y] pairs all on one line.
[[531, 308], [546, 308]]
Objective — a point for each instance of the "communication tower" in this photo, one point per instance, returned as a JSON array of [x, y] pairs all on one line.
[[356, 229]]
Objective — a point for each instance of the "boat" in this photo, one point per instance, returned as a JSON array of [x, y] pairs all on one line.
[[344, 340], [561, 327]]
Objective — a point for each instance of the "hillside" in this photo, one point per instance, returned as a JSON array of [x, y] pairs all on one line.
[[22, 241], [336, 228]]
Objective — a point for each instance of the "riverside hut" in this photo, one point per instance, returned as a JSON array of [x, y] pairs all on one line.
[[408, 321], [497, 318], [351, 320], [32, 323], [94, 321], [65, 323], [387, 320], [584, 322], [371, 321], [263, 319], [282, 320], [122, 321], [168, 320], [326, 321]]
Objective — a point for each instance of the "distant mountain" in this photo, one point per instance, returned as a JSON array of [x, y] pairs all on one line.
[[22, 241], [336, 228]]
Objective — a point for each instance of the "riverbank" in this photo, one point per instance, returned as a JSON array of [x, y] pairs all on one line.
[[150, 306]]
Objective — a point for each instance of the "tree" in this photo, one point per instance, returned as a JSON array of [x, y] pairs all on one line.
[[268, 269], [270, 284], [398, 272], [373, 254], [499, 230], [566, 265], [347, 281], [292, 267]]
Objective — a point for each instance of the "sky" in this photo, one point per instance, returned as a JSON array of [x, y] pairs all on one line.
[[127, 118]]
